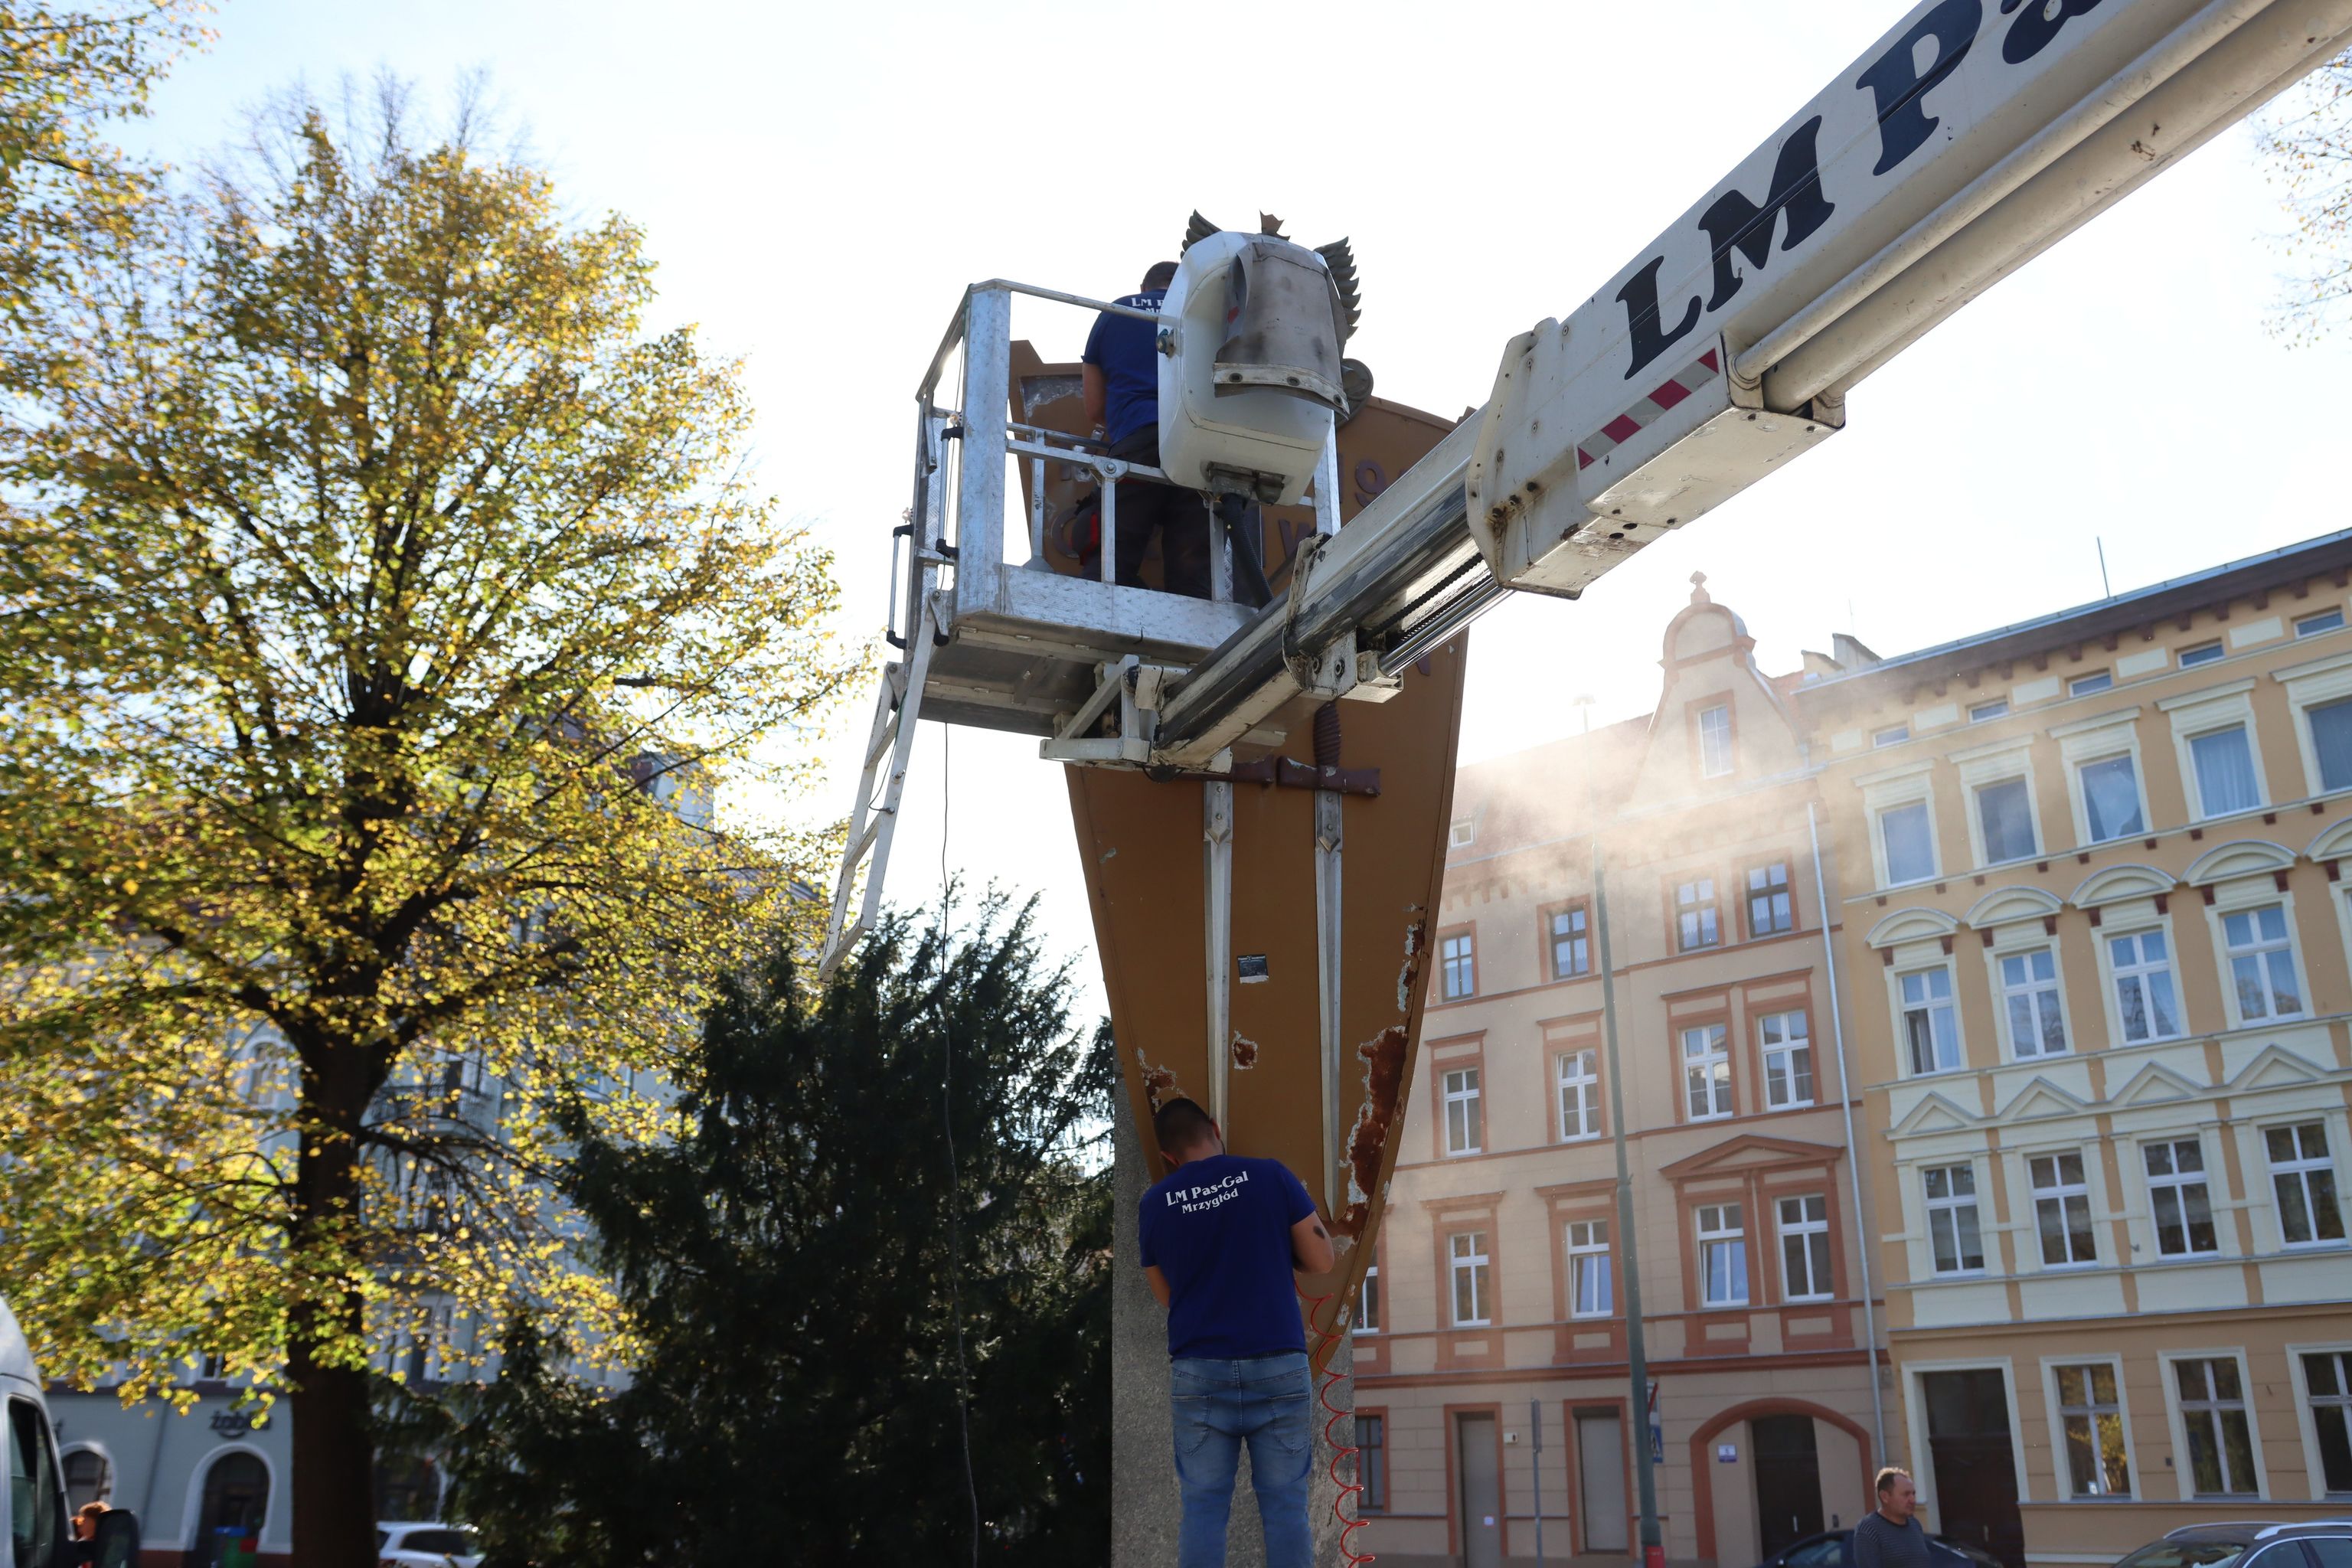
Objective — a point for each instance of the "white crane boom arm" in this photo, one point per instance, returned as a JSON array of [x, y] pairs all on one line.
[[1971, 136]]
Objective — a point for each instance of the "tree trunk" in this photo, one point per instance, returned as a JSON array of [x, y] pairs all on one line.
[[334, 1444]]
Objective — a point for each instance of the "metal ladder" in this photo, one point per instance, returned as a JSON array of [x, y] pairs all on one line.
[[891, 741]]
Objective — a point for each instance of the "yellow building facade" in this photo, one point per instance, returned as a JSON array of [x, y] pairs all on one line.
[[2100, 960]]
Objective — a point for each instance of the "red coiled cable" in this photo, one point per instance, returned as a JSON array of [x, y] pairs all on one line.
[[1348, 1555]]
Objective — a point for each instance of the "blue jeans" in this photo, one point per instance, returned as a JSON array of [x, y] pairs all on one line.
[[1265, 1402]]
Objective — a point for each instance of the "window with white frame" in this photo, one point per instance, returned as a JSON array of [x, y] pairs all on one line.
[[1893, 735], [2212, 1404], [2091, 1425], [2005, 818], [1955, 1240], [1580, 1094], [2029, 999], [1723, 1255], [2146, 1000], [2262, 963], [1788, 1054], [2062, 1210], [2179, 1200], [2110, 788], [1460, 832], [1908, 842], [1588, 1269], [2310, 625], [2303, 1179], [1467, 1257], [1805, 1247], [2084, 685], [1367, 1302], [1706, 1072], [1770, 911], [1930, 1029], [2331, 742], [1697, 922], [1458, 965], [2223, 761], [2328, 1384], [1983, 713], [1713, 741], [2203, 653], [1464, 1124], [1571, 941]]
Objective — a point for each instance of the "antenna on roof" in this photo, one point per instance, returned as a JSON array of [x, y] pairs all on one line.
[[2104, 591]]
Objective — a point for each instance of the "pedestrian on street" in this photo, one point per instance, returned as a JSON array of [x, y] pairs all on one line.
[[1888, 1536], [1223, 1236]]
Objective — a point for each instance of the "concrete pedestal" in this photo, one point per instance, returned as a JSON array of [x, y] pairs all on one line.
[[1144, 1508]]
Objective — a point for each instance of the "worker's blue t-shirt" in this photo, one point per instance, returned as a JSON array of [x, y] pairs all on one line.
[[1128, 350], [1219, 1231]]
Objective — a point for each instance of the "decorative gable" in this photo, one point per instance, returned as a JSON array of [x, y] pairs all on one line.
[[2004, 905], [2275, 1067], [2154, 1084], [2037, 1100], [1913, 924], [2239, 858], [1750, 1152], [1934, 1114], [2116, 883], [2335, 841]]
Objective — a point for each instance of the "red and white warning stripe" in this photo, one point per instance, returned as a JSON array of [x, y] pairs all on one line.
[[1665, 396]]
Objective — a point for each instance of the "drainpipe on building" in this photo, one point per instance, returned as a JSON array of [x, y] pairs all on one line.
[[1852, 1151], [1654, 1549]]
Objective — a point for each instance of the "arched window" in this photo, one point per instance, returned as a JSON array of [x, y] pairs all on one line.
[[235, 1506], [88, 1477]]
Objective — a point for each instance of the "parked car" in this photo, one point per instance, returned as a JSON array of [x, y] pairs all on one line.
[[2306, 1543], [1834, 1549], [411, 1545], [33, 1521]]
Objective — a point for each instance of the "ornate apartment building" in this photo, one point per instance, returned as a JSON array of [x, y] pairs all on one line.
[[2086, 946], [2099, 954], [1499, 1305]]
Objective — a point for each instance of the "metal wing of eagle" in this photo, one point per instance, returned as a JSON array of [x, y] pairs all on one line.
[[1337, 256]]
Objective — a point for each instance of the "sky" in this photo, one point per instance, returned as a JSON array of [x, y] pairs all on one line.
[[818, 183]]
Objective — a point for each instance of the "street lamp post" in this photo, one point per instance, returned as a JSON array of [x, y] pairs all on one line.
[[1654, 1549]]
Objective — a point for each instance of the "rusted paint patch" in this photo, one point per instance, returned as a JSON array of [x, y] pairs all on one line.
[[1411, 970], [1383, 1058], [1158, 1083], [1244, 1052]]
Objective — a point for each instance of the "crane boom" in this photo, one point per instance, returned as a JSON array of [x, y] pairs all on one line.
[[1968, 139]]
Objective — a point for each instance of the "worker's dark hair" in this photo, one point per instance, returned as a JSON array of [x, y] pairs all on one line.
[[1160, 274], [1181, 1124], [1889, 1475]]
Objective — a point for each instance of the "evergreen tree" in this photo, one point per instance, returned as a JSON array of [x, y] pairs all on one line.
[[797, 1268]]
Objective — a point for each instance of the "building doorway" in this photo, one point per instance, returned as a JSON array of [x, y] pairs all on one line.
[[1968, 1443], [1482, 1491], [1788, 1480], [235, 1506], [1601, 1469]]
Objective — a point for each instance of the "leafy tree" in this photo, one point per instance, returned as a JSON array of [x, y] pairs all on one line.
[[65, 73], [787, 1264], [2308, 140], [378, 606]]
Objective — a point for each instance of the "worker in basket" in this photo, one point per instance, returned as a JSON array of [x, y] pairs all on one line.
[[1121, 373], [1222, 1237]]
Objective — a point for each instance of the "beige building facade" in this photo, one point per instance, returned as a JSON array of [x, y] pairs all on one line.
[[2082, 936], [1499, 1310], [2100, 958]]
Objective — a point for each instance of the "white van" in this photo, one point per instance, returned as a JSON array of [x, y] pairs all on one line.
[[33, 1519]]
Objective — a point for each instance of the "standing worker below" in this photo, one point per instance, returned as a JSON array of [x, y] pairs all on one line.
[[1221, 1237], [1121, 373], [1888, 1537]]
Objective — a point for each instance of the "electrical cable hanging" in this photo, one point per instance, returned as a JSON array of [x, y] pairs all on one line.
[[1349, 1556], [955, 1190]]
